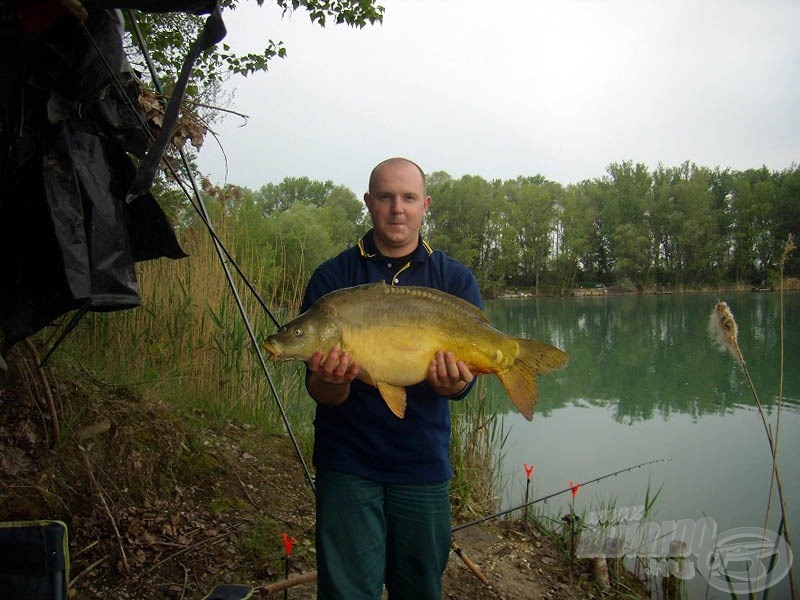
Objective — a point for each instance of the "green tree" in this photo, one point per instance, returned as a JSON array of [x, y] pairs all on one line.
[[170, 35], [530, 218], [300, 242], [685, 226], [583, 245], [753, 239], [787, 216], [697, 237], [459, 220], [664, 220], [341, 212], [466, 221], [291, 190], [628, 199], [345, 217], [167, 38]]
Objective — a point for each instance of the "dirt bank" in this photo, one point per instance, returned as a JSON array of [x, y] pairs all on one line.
[[162, 504]]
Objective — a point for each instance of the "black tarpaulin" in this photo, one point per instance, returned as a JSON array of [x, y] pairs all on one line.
[[68, 238]]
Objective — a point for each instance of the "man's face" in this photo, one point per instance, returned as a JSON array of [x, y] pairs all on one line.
[[397, 204]]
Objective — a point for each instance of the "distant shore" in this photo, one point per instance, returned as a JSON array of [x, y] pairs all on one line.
[[790, 285]]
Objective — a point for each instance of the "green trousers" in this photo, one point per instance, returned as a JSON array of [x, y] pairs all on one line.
[[370, 534]]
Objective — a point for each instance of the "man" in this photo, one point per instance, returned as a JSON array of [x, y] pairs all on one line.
[[382, 483]]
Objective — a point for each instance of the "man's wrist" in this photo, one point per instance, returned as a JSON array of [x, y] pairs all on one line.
[[460, 391], [326, 392]]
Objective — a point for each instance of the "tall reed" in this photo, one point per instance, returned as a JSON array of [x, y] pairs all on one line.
[[725, 331], [475, 452]]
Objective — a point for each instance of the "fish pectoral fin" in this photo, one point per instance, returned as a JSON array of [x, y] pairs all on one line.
[[364, 376], [395, 398]]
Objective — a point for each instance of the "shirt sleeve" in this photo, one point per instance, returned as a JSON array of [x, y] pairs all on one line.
[[467, 289], [318, 285]]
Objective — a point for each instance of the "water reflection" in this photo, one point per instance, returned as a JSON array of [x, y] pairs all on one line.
[[648, 356]]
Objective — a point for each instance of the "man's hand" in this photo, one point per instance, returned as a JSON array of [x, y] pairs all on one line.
[[329, 383], [448, 376]]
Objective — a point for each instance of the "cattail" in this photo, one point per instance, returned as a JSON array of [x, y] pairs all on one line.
[[788, 248], [723, 329]]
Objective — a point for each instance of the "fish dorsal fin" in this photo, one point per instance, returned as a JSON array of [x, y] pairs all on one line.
[[395, 398]]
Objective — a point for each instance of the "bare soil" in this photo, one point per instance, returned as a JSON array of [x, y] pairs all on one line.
[[161, 504]]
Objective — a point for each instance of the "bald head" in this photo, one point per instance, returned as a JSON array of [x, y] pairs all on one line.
[[397, 160]]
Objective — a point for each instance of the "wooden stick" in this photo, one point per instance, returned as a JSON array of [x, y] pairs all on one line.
[[88, 569], [82, 550], [471, 565], [185, 581], [288, 583], [246, 493], [51, 407]]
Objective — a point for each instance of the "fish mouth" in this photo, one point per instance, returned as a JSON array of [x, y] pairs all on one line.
[[274, 352]]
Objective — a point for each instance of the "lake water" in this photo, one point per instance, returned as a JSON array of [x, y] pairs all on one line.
[[646, 382]]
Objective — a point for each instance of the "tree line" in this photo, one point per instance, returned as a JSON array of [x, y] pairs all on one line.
[[678, 227], [674, 228]]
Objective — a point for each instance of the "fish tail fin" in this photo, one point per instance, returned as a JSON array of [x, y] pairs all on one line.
[[519, 380]]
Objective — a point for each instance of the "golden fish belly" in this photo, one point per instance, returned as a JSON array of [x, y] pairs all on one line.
[[401, 355], [390, 354]]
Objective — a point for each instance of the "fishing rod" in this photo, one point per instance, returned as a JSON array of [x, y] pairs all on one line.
[[547, 497]]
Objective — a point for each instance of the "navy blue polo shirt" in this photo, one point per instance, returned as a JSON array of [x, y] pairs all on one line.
[[361, 436]]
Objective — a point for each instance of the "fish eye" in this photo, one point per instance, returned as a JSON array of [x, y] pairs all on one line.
[[298, 332]]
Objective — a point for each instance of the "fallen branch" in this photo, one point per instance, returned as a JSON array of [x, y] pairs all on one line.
[[209, 541], [287, 583]]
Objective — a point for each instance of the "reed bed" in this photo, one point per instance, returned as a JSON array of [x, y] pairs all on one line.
[[187, 343]]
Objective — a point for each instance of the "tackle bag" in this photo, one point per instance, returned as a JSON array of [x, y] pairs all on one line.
[[34, 560]]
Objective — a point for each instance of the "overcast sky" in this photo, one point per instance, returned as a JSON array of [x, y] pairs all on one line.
[[504, 88]]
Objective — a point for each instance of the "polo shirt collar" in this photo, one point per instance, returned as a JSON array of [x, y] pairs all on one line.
[[368, 250]]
